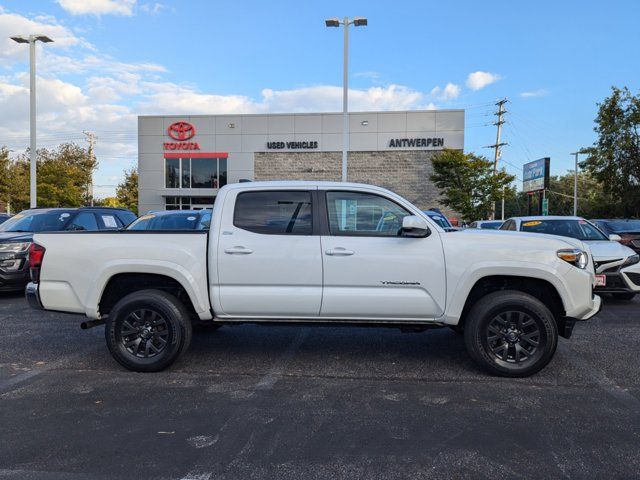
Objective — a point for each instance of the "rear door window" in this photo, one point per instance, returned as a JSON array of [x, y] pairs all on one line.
[[274, 212], [83, 221]]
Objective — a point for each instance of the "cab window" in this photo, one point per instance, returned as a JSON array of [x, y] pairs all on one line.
[[274, 212], [364, 214]]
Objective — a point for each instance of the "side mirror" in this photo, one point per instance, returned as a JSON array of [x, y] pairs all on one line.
[[615, 238], [414, 226]]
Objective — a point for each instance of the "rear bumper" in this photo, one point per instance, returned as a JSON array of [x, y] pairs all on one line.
[[33, 296]]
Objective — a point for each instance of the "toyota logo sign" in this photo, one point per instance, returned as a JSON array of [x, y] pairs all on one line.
[[181, 131]]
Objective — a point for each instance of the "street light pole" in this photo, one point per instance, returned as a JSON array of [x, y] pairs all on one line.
[[31, 40], [334, 22], [345, 101], [575, 184]]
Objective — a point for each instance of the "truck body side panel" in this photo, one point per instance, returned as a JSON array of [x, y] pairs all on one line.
[[78, 265]]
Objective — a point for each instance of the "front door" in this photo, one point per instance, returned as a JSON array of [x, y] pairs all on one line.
[[269, 261], [371, 271]]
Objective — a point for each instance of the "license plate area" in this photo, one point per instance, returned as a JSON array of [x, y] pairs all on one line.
[[601, 280]]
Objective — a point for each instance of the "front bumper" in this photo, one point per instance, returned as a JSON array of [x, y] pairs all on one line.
[[621, 280], [33, 296], [595, 309]]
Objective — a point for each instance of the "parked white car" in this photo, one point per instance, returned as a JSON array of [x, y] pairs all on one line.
[[318, 253], [617, 266], [486, 224]]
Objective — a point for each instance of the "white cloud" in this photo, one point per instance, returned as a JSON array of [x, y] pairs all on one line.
[[98, 7], [478, 80], [12, 24], [370, 74], [451, 91], [542, 92], [153, 8]]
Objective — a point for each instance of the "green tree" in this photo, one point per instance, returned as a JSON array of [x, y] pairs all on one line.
[[5, 165], [614, 159], [127, 190], [468, 183], [64, 175]]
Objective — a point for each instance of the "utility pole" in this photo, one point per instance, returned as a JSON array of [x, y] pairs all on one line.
[[498, 150], [91, 138]]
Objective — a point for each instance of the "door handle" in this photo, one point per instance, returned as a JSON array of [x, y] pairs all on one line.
[[238, 250], [339, 252]]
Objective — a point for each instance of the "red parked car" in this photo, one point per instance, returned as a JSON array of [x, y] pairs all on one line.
[[628, 229]]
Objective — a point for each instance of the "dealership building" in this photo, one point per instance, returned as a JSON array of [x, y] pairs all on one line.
[[183, 161]]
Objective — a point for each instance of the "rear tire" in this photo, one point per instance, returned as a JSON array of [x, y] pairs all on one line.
[[624, 296], [147, 331], [511, 334]]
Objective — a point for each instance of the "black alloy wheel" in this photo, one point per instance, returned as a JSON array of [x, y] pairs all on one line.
[[148, 330], [513, 337], [510, 333], [144, 333]]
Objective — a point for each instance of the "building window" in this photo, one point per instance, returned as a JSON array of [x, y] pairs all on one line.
[[195, 172], [204, 173], [188, 203], [172, 172]]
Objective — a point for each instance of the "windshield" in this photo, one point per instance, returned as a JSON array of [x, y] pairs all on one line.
[[439, 219], [171, 221], [491, 225], [580, 229], [621, 226], [50, 221]]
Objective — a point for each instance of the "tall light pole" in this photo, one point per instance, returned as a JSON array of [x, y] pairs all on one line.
[[31, 40], [335, 22], [575, 183]]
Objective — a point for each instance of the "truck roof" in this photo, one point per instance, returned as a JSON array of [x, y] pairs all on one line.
[[546, 217], [301, 183]]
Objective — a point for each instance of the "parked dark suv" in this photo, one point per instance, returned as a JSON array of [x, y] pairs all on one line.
[[16, 235]]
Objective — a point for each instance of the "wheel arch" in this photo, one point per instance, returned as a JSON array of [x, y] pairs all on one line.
[[539, 288], [122, 284]]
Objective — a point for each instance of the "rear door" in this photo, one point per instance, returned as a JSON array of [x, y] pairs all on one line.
[[370, 270], [269, 262]]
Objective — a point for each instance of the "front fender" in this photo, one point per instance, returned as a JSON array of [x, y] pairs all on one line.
[[462, 288]]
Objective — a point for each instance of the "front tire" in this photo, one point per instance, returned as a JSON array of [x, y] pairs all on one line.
[[511, 334], [147, 331]]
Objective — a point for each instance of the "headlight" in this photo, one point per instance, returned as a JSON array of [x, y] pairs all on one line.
[[632, 260], [14, 247], [575, 257]]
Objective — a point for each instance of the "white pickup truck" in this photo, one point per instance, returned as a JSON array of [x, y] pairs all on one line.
[[318, 253]]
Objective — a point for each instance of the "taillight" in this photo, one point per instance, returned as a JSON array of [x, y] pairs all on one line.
[[36, 254]]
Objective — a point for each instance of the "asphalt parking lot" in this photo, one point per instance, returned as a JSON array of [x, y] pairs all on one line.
[[251, 402]]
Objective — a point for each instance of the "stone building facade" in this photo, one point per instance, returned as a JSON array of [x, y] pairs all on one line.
[[183, 161], [406, 173]]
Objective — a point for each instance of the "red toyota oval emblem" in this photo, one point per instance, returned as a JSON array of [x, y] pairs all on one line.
[[181, 131]]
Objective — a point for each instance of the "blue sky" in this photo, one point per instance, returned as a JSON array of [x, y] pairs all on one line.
[[115, 59]]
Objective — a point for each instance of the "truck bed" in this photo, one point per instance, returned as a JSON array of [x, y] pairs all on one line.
[[78, 265]]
